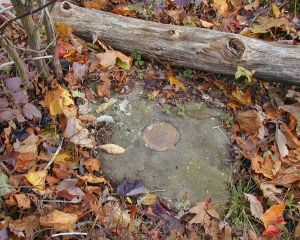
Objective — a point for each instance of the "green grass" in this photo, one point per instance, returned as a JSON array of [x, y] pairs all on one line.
[[237, 209]]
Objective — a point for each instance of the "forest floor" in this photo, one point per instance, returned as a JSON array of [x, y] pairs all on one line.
[[66, 145]]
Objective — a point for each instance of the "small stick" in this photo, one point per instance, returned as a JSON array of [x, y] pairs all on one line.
[[55, 154]]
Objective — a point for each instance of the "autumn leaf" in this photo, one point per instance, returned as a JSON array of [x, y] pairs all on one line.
[[29, 145], [103, 89], [58, 102], [37, 179], [112, 148], [281, 142], [255, 205], [92, 164], [221, 7], [59, 221], [22, 200], [241, 97], [272, 220], [111, 57], [63, 31], [96, 4], [90, 178], [249, 121], [174, 81], [78, 134], [275, 10]]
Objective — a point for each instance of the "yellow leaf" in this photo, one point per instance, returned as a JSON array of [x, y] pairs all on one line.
[[221, 6], [59, 221], [206, 24], [63, 31], [241, 97], [176, 82], [63, 156], [275, 10], [149, 199], [90, 178], [37, 179], [273, 215], [58, 101]]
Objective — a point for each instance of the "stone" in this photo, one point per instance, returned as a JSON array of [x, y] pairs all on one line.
[[170, 153]]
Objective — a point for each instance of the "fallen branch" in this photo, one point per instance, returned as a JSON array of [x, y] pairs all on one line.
[[190, 47]]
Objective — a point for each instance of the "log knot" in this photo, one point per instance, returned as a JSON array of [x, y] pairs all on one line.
[[234, 48], [173, 33]]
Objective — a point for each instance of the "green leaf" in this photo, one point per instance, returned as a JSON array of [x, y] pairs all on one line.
[[243, 72], [4, 186], [122, 64]]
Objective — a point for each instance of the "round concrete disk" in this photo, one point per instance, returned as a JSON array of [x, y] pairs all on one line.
[[160, 136]]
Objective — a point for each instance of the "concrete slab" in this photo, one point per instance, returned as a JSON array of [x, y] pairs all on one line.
[[194, 163]]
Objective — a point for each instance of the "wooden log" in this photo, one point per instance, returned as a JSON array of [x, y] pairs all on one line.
[[190, 47]]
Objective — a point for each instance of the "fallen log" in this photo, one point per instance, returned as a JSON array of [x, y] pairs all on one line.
[[190, 47]]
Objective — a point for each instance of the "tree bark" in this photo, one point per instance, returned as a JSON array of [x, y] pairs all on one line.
[[190, 47], [34, 40], [14, 56]]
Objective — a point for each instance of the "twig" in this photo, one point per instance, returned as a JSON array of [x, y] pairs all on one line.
[[5, 9], [24, 15], [68, 234], [55, 154], [25, 59]]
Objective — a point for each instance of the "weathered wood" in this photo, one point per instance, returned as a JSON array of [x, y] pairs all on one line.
[[208, 50]]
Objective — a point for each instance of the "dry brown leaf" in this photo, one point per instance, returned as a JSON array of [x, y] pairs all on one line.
[[297, 231], [92, 164], [29, 145], [90, 178], [292, 141], [96, 4], [244, 98], [22, 200], [59, 221], [25, 227], [77, 134], [269, 191], [31, 112], [262, 165], [257, 209], [281, 142], [249, 121], [112, 148], [103, 89], [111, 57]]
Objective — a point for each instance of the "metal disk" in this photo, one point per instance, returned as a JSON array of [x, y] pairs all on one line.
[[160, 136]]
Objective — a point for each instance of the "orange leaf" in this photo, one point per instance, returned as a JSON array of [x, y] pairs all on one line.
[[174, 81], [273, 216], [241, 97]]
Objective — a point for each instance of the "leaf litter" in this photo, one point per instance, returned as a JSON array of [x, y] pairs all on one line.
[[263, 133]]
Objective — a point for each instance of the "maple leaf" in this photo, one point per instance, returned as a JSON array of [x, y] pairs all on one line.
[[59, 221], [174, 81], [58, 102], [37, 179]]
